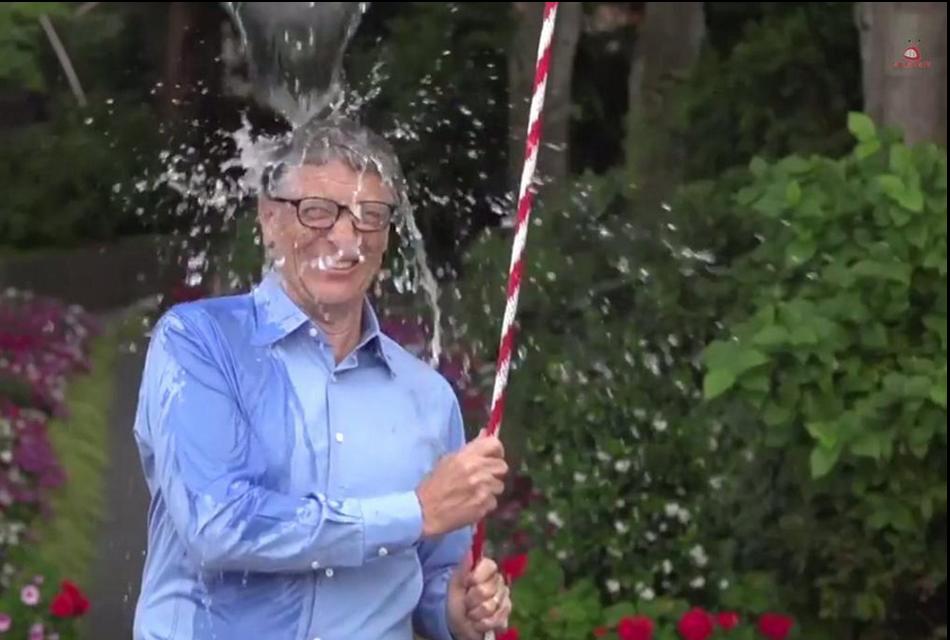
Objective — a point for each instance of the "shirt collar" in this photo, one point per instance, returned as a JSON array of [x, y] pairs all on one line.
[[277, 316]]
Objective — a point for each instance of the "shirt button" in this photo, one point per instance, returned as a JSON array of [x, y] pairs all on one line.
[[339, 437], [383, 552], [329, 573], [315, 565]]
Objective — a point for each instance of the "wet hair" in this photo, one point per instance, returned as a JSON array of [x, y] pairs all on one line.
[[337, 138]]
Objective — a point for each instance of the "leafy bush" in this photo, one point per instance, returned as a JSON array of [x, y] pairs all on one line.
[[548, 610], [836, 269], [838, 349]]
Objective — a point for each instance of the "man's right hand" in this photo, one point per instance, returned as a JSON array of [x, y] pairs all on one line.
[[464, 487]]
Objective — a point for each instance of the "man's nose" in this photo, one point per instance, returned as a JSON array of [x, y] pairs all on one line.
[[344, 230]]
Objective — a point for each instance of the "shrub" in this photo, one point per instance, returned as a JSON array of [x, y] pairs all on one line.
[[805, 300]]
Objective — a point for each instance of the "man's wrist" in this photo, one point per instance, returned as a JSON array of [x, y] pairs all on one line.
[[390, 523]]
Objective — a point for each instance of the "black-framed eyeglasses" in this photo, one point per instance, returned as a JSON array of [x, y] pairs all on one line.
[[322, 213]]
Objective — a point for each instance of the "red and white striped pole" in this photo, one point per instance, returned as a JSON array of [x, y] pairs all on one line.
[[516, 269]]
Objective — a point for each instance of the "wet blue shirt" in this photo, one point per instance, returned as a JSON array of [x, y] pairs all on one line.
[[283, 484]]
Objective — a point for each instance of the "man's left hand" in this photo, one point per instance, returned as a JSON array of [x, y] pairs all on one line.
[[479, 600]]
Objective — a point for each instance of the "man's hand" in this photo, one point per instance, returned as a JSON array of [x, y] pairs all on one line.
[[478, 601], [463, 487]]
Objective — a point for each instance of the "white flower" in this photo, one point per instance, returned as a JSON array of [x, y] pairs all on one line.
[[555, 519], [603, 457], [579, 477], [557, 458], [561, 555], [659, 424], [684, 516], [713, 444], [723, 584], [698, 582], [650, 536], [667, 567], [699, 555], [621, 527], [716, 483], [648, 594], [622, 466], [613, 586], [672, 509]]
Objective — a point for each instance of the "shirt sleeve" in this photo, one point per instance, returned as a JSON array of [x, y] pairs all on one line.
[[209, 477], [440, 556]]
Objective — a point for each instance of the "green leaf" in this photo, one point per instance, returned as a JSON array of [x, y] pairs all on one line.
[[748, 359], [900, 160], [614, 613], [823, 460], [892, 185], [938, 394], [801, 250], [794, 164], [867, 445], [912, 199], [861, 126], [775, 415], [718, 382], [758, 167], [902, 518], [825, 432], [771, 335], [867, 149], [793, 193], [874, 336]]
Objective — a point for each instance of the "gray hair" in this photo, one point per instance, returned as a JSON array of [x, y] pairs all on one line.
[[337, 138]]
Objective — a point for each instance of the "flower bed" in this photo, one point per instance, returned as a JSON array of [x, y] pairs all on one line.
[[43, 345]]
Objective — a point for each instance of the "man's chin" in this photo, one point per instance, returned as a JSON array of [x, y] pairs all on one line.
[[335, 289]]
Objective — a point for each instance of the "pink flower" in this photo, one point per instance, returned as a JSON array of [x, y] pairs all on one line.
[[36, 632], [5, 622], [30, 595]]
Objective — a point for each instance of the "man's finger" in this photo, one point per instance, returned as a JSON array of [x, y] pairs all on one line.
[[488, 446], [496, 622], [485, 571]]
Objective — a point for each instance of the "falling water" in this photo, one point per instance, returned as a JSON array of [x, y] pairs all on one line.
[[294, 53]]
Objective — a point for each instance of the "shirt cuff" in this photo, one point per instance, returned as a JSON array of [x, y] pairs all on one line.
[[391, 523]]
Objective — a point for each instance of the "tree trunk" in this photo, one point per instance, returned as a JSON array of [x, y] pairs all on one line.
[[553, 157], [906, 91], [669, 42]]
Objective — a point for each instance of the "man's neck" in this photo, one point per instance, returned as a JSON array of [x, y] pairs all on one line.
[[342, 324], [343, 327]]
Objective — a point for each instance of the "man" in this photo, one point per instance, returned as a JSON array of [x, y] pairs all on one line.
[[309, 477]]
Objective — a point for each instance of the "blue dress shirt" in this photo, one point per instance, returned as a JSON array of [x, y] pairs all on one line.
[[283, 484]]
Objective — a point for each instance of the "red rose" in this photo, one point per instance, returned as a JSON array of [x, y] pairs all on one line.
[[600, 632], [635, 628], [70, 602], [513, 567], [775, 626], [728, 620], [510, 634], [695, 624]]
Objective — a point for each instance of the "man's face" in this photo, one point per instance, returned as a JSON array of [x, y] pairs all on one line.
[[334, 266]]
